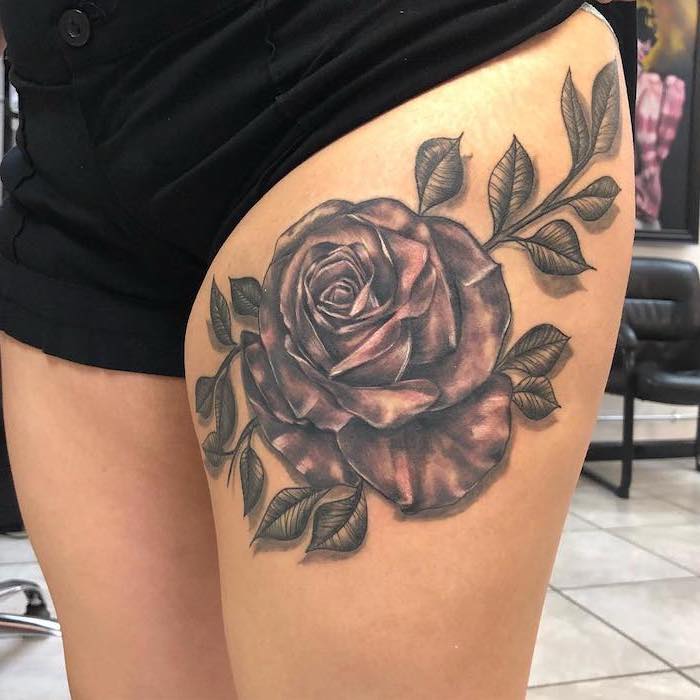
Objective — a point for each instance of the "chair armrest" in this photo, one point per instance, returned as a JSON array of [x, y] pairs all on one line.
[[626, 338], [627, 343]]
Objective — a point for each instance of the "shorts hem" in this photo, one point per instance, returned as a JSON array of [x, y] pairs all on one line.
[[41, 312]]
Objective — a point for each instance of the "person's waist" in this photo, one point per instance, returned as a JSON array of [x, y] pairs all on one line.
[[46, 37]]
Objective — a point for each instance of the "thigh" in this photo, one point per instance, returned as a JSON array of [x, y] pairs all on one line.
[[106, 469], [396, 362]]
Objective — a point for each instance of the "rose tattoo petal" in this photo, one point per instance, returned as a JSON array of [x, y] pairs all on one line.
[[379, 333], [436, 459]]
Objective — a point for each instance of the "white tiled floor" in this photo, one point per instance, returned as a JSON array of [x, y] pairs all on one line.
[[589, 558], [663, 616], [621, 619], [29, 669], [652, 686], [572, 645]]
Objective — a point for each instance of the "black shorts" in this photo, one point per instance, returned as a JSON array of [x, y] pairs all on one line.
[[149, 128]]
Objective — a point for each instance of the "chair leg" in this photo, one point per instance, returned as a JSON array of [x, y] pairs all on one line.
[[697, 443], [623, 490]]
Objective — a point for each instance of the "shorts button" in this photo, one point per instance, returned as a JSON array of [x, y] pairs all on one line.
[[74, 27]]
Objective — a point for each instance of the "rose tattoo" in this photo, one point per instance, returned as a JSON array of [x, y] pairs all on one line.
[[378, 358], [379, 332]]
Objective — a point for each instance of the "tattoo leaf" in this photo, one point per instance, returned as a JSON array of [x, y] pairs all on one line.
[[204, 395], [220, 315], [225, 409], [605, 108], [555, 249], [246, 294], [510, 183], [214, 459], [534, 396], [536, 352], [252, 479], [288, 513], [593, 202], [575, 122], [340, 525], [439, 171]]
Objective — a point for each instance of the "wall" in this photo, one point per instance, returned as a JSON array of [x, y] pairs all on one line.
[[669, 250]]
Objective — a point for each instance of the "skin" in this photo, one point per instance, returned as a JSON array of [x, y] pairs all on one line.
[[122, 527], [431, 607]]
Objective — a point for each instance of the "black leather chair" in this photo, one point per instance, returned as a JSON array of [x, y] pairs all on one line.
[[657, 358]]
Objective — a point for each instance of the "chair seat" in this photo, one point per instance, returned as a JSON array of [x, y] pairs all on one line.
[[656, 384]]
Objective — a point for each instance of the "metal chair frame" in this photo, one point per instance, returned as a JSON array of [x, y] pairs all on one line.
[[36, 620], [627, 451]]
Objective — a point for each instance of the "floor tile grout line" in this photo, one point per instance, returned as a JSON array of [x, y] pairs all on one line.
[[645, 494], [601, 678], [610, 584], [644, 526], [573, 511], [652, 495], [666, 499], [692, 680], [607, 623], [646, 489], [649, 497], [673, 667], [650, 551], [659, 523], [642, 547], [678, 505], [649, 526], [19, 563], [580, 517]]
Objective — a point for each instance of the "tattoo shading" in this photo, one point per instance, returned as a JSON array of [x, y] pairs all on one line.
[[379, 359]]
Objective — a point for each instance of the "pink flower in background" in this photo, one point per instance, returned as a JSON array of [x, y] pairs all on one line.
[[659, 110]]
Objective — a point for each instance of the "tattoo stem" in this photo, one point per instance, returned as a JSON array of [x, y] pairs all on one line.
[[549, 204], [227, 361], [246, 435]]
